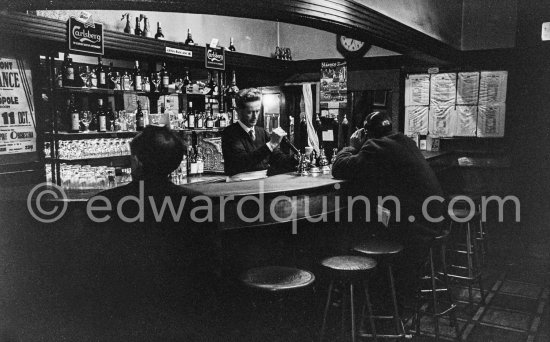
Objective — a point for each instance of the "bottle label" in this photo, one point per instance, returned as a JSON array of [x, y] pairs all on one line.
[[200, 167], [140, 123], [223, 123], [102, 124], [102, 79], [137, 83], [165, 81], [194, 168], [209, 123], [191, 121], [69, 73], [75, 122], [200, 123]]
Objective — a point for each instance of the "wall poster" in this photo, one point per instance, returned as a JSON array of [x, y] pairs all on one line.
[[17, 115], [334, 87]]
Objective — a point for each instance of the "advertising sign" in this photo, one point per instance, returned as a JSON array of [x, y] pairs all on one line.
[[17, 115], [214, 57], [85, 35]]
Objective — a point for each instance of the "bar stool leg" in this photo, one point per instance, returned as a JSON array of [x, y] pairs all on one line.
[[327, 306], [344, 304], [450, 298], [369, 310], [352, 312], [470, 262], [396, 316], [434, 296], [478, 273]]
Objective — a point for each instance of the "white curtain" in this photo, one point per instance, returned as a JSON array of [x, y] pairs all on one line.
[[312, 139]]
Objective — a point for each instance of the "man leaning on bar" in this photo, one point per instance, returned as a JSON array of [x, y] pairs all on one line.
[[248, 150]]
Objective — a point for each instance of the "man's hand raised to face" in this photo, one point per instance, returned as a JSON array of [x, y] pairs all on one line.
[[358, 138]]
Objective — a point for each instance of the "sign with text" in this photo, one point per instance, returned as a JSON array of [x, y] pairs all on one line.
[[214, 57], [179, 52], [17, 119], [85, 36]]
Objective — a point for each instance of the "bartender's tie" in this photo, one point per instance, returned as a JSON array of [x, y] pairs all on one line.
[[252, 135]]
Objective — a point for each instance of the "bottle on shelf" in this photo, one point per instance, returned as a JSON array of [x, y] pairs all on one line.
[[186, 79], [92, 77], [127, 28], [125, 81], [159, 34], [72, 110], [231, 46], [140, 123], [165, 78], [68, 72], [101, 74], [200, 120], [190, 116], [138, 86], [137, 29], [101, 116], [146, 29], [222, 121], [110, 116], [58, 78], [189, 160], [110, 74], [189, 40], [146, 84], [215, 82], [209, 87], [209, 121], [200, 162]]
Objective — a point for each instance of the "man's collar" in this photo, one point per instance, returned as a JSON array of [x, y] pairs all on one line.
[[246, 128]]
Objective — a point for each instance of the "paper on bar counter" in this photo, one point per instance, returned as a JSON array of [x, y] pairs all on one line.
[[492, 86], [417, 120], [490, 120], [443, 89], [383, 215], [467, 88], [442, 120], [244, 176], [417, 90], [466, 121]]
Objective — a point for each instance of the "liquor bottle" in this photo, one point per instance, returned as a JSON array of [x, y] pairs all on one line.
[[127, 28], [303, 132], [110, 75], [186, 79], [190, 116], [73, 112], [344, 133], [92, 77], [159, 34], [210, 121], [110, 116], [232, 89], [146, 29], [68, 72], [334, 153], [194, 167], [189, 160], [125, 81], [101, 116], [137, 30], [101, 75], [58, 78], [138, 86], [209, 87], [200, 120], [215, 82], [223, 121], [189, 40], [165, 78], [140, 124], [318, 126], [200, 162], [146, 84], [231, 46]]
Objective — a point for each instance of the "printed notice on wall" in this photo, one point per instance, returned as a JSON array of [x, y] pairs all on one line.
[[334, 86], [466, 121], [417, 90], [416, 119], [443, 89], [467, 88], [442, 121], [492, 88], [17, 119], [490, 120]]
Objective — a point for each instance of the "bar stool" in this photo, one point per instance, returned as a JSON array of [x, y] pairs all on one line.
[[348, 269], [383, 251], [472, 266], [277, 280], [438, 242], [482, 232]]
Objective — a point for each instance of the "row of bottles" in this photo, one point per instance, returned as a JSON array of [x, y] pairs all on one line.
[[146, 31]]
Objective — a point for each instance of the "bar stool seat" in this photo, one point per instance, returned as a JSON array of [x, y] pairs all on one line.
[[348, 265], [463, 213], [379, 247], [277, 278]]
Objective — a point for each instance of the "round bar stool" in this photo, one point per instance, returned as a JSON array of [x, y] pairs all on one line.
[[277, 280], [435, 290], [348, 270], [471, 269], [383, 251], [481, 233]]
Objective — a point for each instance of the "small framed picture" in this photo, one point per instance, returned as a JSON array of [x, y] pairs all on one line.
[[379, 98]]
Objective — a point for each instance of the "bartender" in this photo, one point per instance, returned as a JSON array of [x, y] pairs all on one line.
[[248, 150]]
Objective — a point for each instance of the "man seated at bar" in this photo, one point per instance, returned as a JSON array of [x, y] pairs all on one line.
[[247, 147], [149, 256], [384, 163]]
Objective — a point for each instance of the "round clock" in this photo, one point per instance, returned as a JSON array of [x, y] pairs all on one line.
[[351, 47]]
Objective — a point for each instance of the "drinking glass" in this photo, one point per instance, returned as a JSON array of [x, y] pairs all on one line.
[[85, 76], [178, 84], [115, 78], [86, 119], [156, 82]]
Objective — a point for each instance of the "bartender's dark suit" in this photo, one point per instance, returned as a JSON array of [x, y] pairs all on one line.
[[243, 153], [394, 166]]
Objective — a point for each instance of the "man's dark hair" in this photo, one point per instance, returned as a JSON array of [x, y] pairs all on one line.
[[247, 95], [378, 124], [159, 150]]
